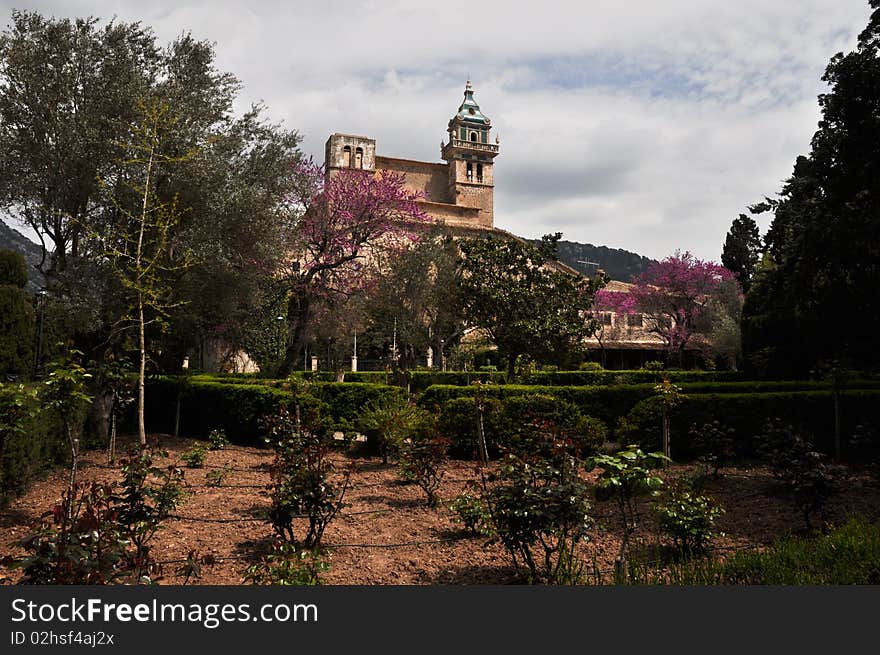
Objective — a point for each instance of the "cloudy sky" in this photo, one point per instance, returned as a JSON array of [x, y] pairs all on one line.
[[641, 124]]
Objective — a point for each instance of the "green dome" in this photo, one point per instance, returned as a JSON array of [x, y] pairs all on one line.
[[469, 110]]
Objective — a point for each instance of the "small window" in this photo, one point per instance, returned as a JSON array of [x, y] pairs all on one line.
[[634, 320], [359, 158], [346, 156], [471, 111], [474, 137], [605, 318], [479, 172], [470, 172]]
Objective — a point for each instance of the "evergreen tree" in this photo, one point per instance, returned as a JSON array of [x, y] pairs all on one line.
[[815, 299], [742, 249], [16, 315]]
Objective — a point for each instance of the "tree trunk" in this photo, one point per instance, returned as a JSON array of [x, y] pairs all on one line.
[[666, 433], [481, 437], [142, 432], [298, 314], [112, 449]]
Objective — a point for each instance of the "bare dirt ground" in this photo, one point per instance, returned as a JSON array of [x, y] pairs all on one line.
[[387, 536]]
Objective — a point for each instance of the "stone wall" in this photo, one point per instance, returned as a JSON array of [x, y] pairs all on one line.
[[425, 177]]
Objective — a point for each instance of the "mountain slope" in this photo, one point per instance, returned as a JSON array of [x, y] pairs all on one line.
[[618, 264]]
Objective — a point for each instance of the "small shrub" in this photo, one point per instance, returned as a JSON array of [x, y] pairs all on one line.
[[389, 423], [194, 458], [590, 366], [215, 478], [422, 457], [654, 365], [302, 481], [803, 471], [625, 476], [286, 565], [98, 535], [217, 439], [470, 510], [689, 519], [714, 444], [539, 507]]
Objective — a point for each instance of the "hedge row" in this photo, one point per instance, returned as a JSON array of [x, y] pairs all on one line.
[[240, 409], [28, 454], [811, 412], [746, 413]]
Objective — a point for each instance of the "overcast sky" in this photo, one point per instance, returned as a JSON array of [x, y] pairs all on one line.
[[646, 125]]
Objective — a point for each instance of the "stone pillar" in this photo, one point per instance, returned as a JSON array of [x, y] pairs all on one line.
[[314, 363], [430, 357], [354, 363]]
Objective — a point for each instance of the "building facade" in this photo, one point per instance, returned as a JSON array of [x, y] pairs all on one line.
[[458, 192]]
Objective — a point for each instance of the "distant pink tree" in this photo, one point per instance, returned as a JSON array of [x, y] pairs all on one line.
[[676, 297], [342, 228]]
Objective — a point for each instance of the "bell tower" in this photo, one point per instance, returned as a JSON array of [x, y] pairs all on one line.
[[469, 155]]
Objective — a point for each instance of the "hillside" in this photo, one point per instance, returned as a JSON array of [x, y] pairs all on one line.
[[617, 263], [14, 240]]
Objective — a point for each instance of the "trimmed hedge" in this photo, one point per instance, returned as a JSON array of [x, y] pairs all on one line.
[[240, 409], [27, 455], [746, 413]]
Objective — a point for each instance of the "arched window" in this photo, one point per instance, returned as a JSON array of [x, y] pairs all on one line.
[[470, 172], [346, 156], [479, 172], [359, 158], [474, 137]]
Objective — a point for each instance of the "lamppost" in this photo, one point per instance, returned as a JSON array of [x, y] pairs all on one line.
[[38, 356]]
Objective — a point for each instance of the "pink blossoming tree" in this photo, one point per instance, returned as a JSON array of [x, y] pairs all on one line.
[[342, 229], [678, 297]]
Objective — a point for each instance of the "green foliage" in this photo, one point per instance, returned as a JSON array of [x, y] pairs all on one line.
[[303, 484], [714, 444], [286, 565], [422, 457], [831, 201], [13, 269], [540, 513], [16, 331], [742, 249], [194, 458], [623, 477], [102, 533], [458, 420], [215, 478], [526, 306], [470, 510], [217, 439], [803, 471], [389, 424], [847, 555], [689, 518]]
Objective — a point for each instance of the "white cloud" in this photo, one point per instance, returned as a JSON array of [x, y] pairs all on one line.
[[643, 125]]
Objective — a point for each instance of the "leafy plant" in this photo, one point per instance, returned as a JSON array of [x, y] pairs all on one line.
[[286, 565], [194, 458], [390, 423], [625, 476], [422, 457], [217, 439], [539, 508], [470, 510], [215, 478], [803, 471], [690, 519], [64, 395], [714, 444], [100, 535], [302, 481]]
